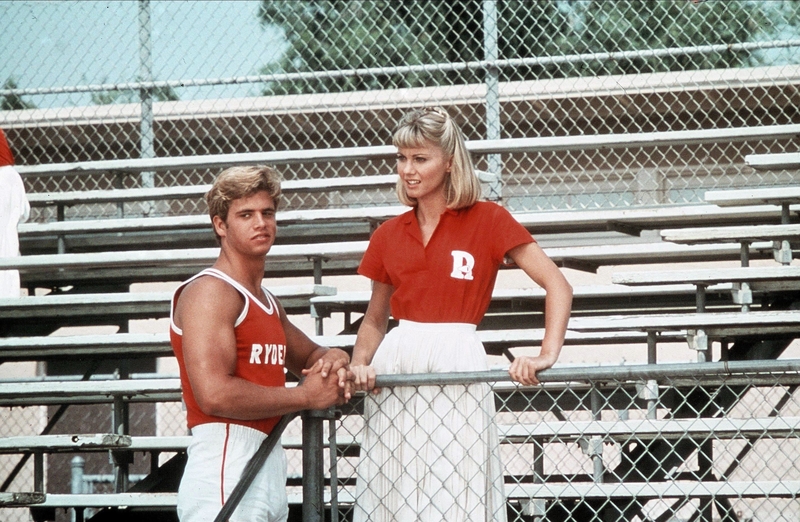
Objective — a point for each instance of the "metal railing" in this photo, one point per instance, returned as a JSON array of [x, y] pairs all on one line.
[[585, 444]]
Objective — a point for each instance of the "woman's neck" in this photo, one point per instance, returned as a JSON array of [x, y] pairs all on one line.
[[428, 213]]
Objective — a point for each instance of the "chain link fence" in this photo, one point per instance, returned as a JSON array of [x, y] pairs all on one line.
[[685, 442], [158, 78], [87, 81]]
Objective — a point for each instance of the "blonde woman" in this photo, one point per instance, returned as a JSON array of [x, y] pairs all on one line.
[[431, 452]]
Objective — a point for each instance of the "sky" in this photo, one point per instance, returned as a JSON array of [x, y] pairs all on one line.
[[58, 43]]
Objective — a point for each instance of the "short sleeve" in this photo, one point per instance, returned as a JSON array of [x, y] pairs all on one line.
[[372, 265], [508, 233]]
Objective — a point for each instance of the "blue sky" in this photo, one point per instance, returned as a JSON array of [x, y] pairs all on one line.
[[58, 43]]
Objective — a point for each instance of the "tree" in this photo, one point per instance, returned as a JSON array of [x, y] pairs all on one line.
[[664, 24], [334, 35], [13, 102], [132, 96], [327, 36]]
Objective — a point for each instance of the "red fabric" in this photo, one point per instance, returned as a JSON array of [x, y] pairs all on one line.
[[260, 352], [433, 283], [6, 157]]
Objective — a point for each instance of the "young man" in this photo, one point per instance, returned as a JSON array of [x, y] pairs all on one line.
[[233, 340]]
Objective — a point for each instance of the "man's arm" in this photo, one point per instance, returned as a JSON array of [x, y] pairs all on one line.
[[206, 312], [305, 357]]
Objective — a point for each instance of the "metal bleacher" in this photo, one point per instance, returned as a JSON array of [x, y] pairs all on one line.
[[87, 265]]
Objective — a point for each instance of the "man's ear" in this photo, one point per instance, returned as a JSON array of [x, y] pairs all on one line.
[[219, 225]]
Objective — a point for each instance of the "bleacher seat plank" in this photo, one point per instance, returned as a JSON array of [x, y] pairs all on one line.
[[618, 490], [537, 222], [585, 298], [339, 257], [774, 161], [42, 199], [200, 222], [589, 258], [623, 430], [126, 345], [655, 490], [179, 257], [736, 234], [100, 500], [634, 220], [45, 348], [64, 443], [112, 307], [754, 196], [355, 224], [383, 152], [787, 274], [18, 499], [714, 324], [89, 392]]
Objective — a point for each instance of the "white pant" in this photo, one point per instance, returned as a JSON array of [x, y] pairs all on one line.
[[218, 455]]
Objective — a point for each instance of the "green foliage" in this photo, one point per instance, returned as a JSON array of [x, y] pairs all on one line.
[[13, 102], [132, 96], [665, 24], [328, 36]]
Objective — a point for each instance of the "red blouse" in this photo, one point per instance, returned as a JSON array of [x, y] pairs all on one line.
[[451, 279]]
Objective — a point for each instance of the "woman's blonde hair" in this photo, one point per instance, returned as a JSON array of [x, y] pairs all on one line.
[[241, 182], [434, 126]]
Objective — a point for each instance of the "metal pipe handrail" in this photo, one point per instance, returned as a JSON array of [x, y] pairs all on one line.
[[602, 373], [406, 69]]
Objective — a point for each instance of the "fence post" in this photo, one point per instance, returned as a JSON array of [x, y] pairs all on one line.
[[76, 486], [313, 465], [147, 138], [492, 81]]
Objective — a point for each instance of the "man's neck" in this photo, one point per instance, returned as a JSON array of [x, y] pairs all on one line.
[[247, 272]]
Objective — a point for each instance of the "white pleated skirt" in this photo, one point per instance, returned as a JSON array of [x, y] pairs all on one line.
[[430, 453]]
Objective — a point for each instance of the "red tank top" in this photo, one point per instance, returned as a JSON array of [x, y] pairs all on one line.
[[260, 351]]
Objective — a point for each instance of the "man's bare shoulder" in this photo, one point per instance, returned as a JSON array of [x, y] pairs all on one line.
[[210, 295]]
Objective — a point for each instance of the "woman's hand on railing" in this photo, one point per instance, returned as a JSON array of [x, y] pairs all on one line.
[[524, 368], [364, 378]]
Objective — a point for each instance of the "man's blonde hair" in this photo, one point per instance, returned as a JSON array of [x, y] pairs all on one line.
[[241, 182], [436, 127]]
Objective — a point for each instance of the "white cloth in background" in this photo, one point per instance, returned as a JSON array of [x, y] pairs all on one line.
[[14, 208], [430, 453]]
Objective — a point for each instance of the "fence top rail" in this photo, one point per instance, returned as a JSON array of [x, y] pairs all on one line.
[[640, 372], [511, 145]]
